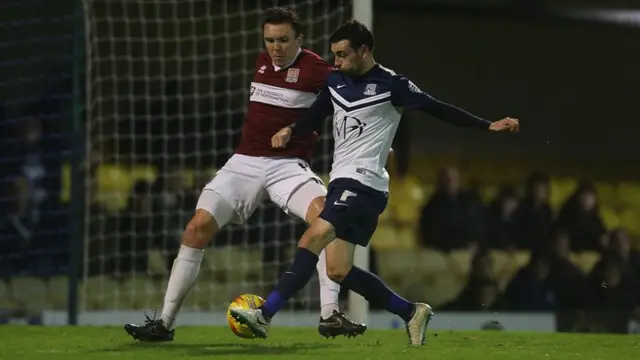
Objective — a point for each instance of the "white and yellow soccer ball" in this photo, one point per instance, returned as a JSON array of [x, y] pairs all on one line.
[[244, 301]]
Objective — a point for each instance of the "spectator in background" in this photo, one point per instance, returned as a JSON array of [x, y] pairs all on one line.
[[534, 218], [612, 297], [564, 274], [531, 289], [452, 218], [481, 293], [500, 220], [581, 219], [620, 248], [567, 281]]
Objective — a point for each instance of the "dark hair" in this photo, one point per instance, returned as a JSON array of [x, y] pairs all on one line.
[[354, 31], [283, 15]]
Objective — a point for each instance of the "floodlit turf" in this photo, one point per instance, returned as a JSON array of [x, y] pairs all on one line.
[[80, 343]]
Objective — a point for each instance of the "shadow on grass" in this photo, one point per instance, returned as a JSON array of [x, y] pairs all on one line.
[[226, 348]]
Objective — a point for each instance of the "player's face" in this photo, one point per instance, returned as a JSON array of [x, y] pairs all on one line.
[[348, 59], [281, 43]]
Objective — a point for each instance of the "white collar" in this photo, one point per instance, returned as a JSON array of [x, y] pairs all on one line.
[[277, 68]]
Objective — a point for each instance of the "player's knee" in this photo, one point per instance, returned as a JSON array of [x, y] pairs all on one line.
[[337, 271], [318, 236], [200, 230]]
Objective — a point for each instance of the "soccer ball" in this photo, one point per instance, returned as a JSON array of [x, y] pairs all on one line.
[[245, 301]]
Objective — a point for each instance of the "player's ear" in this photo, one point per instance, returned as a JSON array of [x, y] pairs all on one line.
[[300, 39], [362, 51]]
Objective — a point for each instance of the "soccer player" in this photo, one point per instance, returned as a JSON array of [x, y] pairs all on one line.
[[366, 101], [287, 81]]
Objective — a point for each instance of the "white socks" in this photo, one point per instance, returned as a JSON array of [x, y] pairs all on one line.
[[329, 290], [185, 272], [183, 275]]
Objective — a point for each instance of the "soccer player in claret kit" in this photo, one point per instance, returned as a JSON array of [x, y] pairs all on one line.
[[366, 101], [286, 83]]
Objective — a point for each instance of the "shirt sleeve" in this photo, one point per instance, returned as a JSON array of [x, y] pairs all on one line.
[[319, 110], [404, 93]]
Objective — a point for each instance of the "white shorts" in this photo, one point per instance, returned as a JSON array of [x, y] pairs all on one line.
[[245, 181]]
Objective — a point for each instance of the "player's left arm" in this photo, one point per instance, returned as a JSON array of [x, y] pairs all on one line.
[[319, 110], [405, 93]]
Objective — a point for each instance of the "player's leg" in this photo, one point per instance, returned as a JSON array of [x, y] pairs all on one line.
[[319, 234], [351, 212], [312, 242], [184, 272], [307, 202], [231, 196], [340, 268]]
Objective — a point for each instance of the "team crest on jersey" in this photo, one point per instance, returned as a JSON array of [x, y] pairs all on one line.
[[370, 89], [292, 75]]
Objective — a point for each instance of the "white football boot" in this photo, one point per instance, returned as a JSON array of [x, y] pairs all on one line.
[[417, 326], [254, 319]]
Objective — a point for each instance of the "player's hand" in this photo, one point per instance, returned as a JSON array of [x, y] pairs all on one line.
[[281, 138], [506, 124]]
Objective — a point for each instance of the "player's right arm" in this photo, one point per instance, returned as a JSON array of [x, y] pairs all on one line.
[[405, 93], [319, 110]]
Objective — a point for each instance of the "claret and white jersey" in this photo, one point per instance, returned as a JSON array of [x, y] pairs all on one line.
[[278, 97]]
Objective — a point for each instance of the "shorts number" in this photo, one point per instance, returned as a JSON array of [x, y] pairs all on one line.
[[346, 194]]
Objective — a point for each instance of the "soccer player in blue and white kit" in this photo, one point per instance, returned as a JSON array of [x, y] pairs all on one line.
[[366, 101]]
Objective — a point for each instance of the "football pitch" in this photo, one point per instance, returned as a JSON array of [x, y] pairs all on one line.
[[80, 343]]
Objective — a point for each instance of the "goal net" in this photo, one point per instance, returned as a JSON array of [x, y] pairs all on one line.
[[167, 87]]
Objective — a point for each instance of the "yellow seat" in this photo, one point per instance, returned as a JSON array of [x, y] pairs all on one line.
[[145, 173], [232, 263], [384, 238], [461, 261], [114, 186], [446, 288], [607, 193], [31, 293], [100, 293], [65, 182], [585, 261], [630, 219], [58, 291], [399, 266], [629, 194], [609, 217], [507, 264], [561, 189], [408, 197], [157, 264], [5, 295]]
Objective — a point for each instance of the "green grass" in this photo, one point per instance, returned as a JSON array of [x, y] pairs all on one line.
[[80, 343]]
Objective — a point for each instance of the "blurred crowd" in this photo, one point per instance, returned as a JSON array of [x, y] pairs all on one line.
[[455, 218]]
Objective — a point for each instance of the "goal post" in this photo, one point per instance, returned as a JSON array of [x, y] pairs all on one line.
[[358, 306], [166, 90]]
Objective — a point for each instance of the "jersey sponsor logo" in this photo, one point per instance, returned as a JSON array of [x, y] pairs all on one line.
[[281, 97], [292, 75], [348, 127], [370, 89]]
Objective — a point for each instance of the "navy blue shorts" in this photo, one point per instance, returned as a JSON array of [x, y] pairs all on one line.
[[353, 209]]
